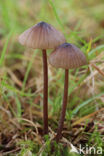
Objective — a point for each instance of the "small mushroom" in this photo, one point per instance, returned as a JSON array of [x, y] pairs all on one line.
[[43, 36], [66, 56]]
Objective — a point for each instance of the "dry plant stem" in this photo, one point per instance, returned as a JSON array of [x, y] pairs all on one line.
[[45, 92], [62, 117]]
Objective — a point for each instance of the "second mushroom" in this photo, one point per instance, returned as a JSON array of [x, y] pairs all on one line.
[[66, 56]]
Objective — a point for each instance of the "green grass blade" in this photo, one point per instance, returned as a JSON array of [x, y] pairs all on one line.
[[85, 103], [14, 90], [19, 111], [97, 48], [3, 53], [56, 15], [28, 70]]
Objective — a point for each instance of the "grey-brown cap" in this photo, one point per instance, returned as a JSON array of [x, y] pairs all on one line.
[[41, 36], [67, 56]]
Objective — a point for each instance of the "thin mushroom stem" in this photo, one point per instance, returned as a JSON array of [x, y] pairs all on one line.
[[45, 92], [64, 104]]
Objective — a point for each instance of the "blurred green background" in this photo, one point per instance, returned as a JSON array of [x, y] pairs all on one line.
[[82, 23]]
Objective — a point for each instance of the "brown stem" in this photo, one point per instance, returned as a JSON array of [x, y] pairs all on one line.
[[45, 92], [62, 117]]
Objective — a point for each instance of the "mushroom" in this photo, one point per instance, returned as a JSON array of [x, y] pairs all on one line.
[[66, 56], [43, 36]]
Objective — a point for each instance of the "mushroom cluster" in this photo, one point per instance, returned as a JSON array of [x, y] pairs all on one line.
[[67, 56]]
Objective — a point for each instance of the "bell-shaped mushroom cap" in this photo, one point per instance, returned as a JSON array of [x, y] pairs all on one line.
[[41, 36], [67, 56]]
